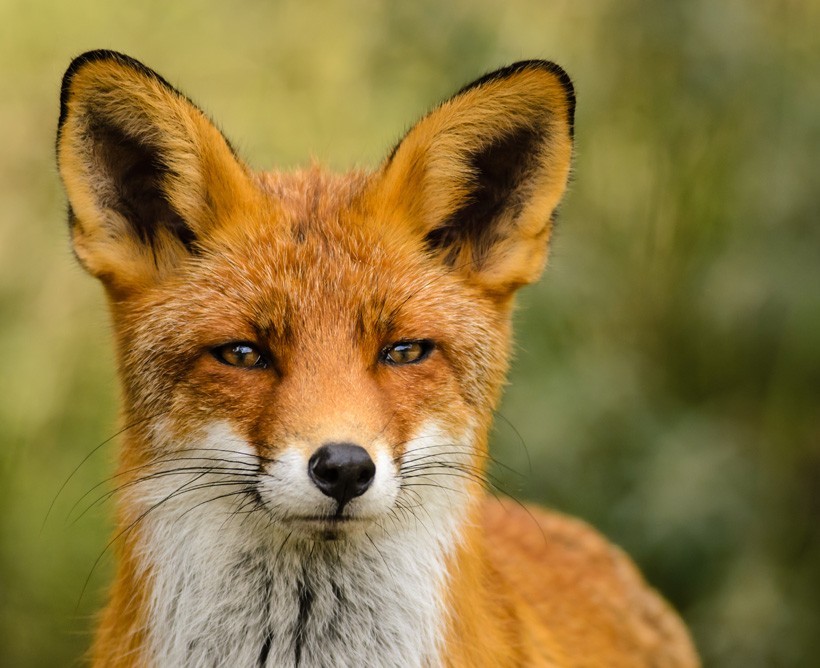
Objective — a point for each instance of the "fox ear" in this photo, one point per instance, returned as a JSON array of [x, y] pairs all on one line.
[[146, 173], [479, 177]]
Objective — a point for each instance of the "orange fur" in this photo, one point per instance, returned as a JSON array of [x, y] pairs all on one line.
[[320, 273]]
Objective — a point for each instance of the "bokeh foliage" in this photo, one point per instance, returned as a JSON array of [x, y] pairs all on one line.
[[667, 381]]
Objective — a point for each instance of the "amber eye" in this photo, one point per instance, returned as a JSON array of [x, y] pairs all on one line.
[[243, 355], [407, 352]]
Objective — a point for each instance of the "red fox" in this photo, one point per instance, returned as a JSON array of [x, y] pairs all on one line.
[[310, 363]]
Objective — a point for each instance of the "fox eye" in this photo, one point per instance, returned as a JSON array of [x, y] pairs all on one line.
[[242, 355], [406, 352]]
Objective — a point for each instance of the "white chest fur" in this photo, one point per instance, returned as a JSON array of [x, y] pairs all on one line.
[[227, 593]]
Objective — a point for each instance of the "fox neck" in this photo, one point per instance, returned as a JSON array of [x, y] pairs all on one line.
[[227, 592]]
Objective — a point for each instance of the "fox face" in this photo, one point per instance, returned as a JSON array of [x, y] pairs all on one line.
[[344, 368], [309, 363], [330, 341]]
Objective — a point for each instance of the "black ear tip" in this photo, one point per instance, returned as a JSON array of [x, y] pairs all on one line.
[[566, 84], [77, 64], [522, 65], [95, 56]]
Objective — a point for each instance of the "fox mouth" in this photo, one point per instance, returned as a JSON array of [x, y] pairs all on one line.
[[327, 527], [327, 520]]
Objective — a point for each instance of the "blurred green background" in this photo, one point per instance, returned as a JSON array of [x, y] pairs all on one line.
[[667, 381]]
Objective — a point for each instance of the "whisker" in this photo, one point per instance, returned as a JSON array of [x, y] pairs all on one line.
[[252, 501], [246, 490], [282, 547], [187, 470], [185, 488], [420, 505], [404, 461], [157, 474], [434, 486], [255, 455], [381, 555], [436, 468], [88, 456], [520, 439], [127, 530]]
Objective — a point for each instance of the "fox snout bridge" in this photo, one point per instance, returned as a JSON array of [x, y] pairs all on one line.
[[342, 471]]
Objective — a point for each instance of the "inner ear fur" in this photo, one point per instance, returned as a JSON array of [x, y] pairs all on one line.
[[148, 176], [479, 178]]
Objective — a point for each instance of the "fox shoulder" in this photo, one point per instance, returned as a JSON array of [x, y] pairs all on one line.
[[570, 579]]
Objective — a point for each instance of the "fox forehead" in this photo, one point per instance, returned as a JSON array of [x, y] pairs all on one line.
[[308, 247], [317, 258], [312, 273]]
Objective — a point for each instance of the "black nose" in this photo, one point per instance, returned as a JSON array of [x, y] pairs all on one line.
[[342, 471]]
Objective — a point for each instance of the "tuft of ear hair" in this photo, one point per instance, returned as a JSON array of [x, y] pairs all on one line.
[[479, 178], [146, 173]]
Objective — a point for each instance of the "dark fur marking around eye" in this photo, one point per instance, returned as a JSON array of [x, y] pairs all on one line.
[[136, 173], [499, 170], [373, 319]]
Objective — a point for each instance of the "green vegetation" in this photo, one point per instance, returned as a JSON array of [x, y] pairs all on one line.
[[667, 382]]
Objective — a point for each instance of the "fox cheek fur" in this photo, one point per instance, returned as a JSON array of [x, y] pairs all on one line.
[[310, 363]]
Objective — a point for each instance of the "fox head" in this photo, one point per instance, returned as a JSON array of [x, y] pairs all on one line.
[[328, 348]]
